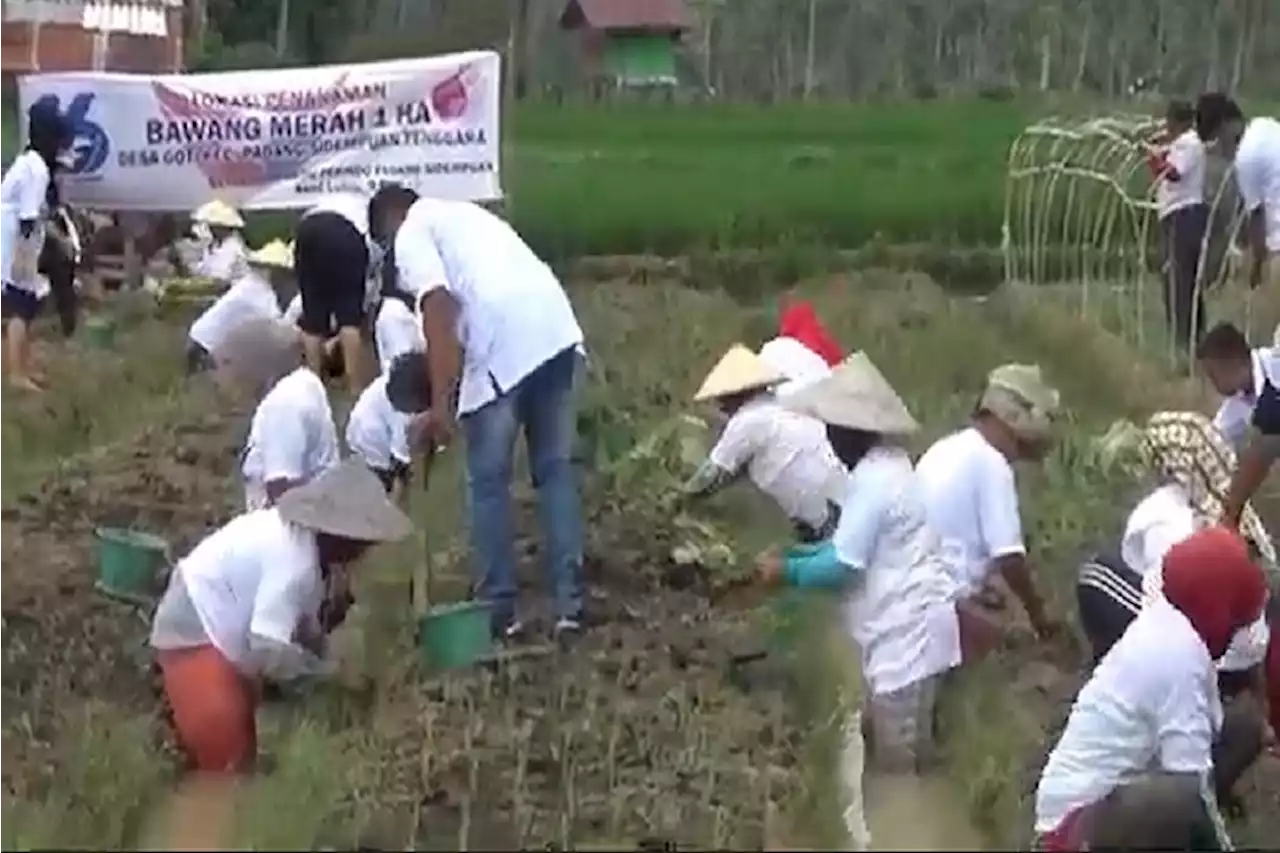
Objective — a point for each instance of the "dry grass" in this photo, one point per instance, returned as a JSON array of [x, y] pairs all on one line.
[[637, 735]]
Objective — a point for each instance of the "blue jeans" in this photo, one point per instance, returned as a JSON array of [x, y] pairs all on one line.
[[543, 405]]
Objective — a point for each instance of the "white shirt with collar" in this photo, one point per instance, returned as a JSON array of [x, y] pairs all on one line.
[[291, 436], [376, 432], [22, 197], [1235, 412], [255, 578], [1161, 520], [1151, 704], [396, 331], [972, 500], [801, 365], [1257, 165], [901, 611], [786, 455], [513, 313], [250, 297], [226, 261], [1187, 156]]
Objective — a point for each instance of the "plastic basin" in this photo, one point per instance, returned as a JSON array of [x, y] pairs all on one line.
[[129, 562], [100, 331], [455, 635]]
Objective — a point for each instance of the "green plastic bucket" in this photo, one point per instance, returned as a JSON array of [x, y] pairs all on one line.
[[100, 331], [455, 635], [129, 563]]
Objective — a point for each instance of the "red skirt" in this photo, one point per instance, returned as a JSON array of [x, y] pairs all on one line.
[[213, 707]]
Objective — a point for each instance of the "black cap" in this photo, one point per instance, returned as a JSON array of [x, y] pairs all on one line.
[[409, 383]]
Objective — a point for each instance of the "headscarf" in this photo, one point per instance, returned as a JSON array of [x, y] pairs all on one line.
[[798, 320], [1187, 449], [1211, 579]]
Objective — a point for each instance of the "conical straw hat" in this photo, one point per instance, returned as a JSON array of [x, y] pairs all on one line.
[[273, 254], [856, 396], [739, 370], [346, 500], [218, 212]]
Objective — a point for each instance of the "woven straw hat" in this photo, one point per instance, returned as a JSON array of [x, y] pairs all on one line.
[[1018, 395], [346, 500], [259, 351], [738, 370], [857, 396], [275, 254], [218, 212]]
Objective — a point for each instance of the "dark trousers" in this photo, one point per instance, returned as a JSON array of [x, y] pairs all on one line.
[[60, 268], [1184, 232]]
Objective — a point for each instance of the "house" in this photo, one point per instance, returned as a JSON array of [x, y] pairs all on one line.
[[92, 35], [627, 43]]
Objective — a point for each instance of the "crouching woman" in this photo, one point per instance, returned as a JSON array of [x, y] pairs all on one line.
[[900, 604], [1134, 767]]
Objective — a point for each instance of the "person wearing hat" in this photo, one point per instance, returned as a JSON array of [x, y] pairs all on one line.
[[900, 601], [969, 487], [1152, 707], [254, 295], [381, 436], [245, 605], [224, 254], [292, 438], [504, 348], [24, 195], [786, 455]]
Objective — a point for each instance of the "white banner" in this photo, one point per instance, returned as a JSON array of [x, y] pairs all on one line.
[[278, 139]]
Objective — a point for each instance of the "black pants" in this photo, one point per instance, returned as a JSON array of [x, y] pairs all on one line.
[[331, 260], [198, 359], [1109, 595], [60, 268], [1184, 232]]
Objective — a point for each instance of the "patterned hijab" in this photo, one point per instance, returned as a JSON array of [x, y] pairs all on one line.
[[1186, 448]]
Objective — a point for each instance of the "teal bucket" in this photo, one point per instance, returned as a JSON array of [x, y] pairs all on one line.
[[100, 332], [455, 635], [129, 563]]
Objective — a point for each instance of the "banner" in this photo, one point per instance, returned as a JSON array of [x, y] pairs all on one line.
[[279, 139]]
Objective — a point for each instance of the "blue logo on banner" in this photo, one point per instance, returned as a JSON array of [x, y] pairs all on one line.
[[90, 145]]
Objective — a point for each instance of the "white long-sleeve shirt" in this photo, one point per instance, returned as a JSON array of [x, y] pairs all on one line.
[[291, 437], [1152, 703]]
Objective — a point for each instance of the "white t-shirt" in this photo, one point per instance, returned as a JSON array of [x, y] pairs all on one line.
[[256, 575], [22, 196], [291, 436], [227, 261], [513, 314], [1151, 704], [786, 455], [972, 500], [376, 432], [901, 612], [352, 208], [250, 297], [1161, 520], [1187, 156], [801, 365], [1258, 174], [396, 331], [1236, 412]]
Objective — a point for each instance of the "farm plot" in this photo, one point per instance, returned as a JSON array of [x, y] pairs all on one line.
[[635, 736]]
